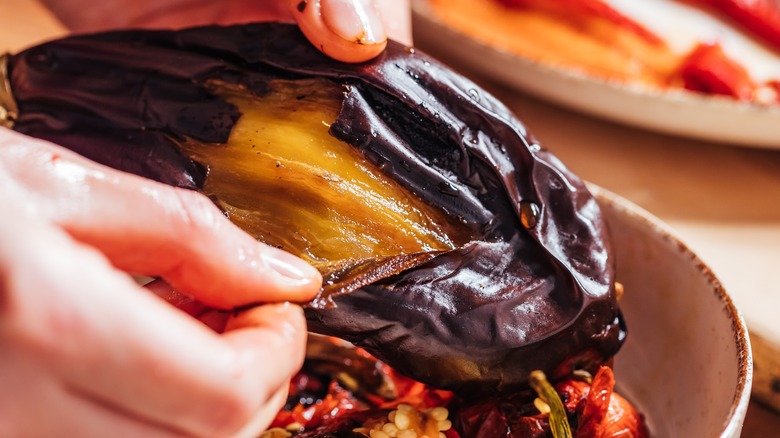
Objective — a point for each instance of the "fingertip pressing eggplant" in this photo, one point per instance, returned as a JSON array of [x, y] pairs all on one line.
[[454, 248]]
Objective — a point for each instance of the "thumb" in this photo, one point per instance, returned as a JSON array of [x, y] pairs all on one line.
[[346, 30]]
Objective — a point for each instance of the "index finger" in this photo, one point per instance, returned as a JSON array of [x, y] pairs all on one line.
[[111, 342], [149, 228]]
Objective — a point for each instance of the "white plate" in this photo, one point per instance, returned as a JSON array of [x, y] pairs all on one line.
[[677, 112]]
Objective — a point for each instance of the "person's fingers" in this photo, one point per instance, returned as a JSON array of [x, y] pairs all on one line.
[[213, 318], [84, 417], [42, 407], [346, 30], [149, 228], [121, 346], [220, 321], [397, 18], [265, 415], [251, 319]]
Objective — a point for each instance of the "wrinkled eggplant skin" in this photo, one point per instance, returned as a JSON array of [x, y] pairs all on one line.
[[476, 319]]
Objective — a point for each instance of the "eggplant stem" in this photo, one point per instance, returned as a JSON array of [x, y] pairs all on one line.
[[559, 422]]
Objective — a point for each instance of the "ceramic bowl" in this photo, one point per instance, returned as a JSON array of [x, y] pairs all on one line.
[[687, 363]]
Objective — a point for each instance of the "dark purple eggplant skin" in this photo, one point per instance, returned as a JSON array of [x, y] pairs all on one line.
[[475, 320]]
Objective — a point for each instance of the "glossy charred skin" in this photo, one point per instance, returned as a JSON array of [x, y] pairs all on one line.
[[532, 287]]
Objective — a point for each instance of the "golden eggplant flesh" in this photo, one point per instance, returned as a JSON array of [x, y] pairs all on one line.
[[285, 180], [455, 248]]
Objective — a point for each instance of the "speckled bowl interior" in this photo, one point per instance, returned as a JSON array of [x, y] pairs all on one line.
[[687, 363]]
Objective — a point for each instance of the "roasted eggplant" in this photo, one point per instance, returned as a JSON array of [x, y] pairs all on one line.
[[453, 246]]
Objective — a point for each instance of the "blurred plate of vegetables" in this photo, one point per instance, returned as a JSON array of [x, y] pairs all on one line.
[[703, 69]]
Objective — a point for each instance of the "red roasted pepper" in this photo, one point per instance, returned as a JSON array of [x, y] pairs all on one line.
[[760, 17], [606, 414], [576, 10], [708, 70]]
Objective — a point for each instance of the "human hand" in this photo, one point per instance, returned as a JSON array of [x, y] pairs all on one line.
[[347, 30], [84, 344], [87, 352]]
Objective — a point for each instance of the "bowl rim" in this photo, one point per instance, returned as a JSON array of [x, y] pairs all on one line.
[[741, 338]]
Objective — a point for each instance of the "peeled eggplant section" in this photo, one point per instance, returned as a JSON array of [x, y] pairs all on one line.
[[454, 247], [284, 179]]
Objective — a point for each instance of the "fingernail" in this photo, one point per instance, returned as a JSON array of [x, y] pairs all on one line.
[[353, 20], [290, 266], [284, 318], [291, 315], [287, 308]]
